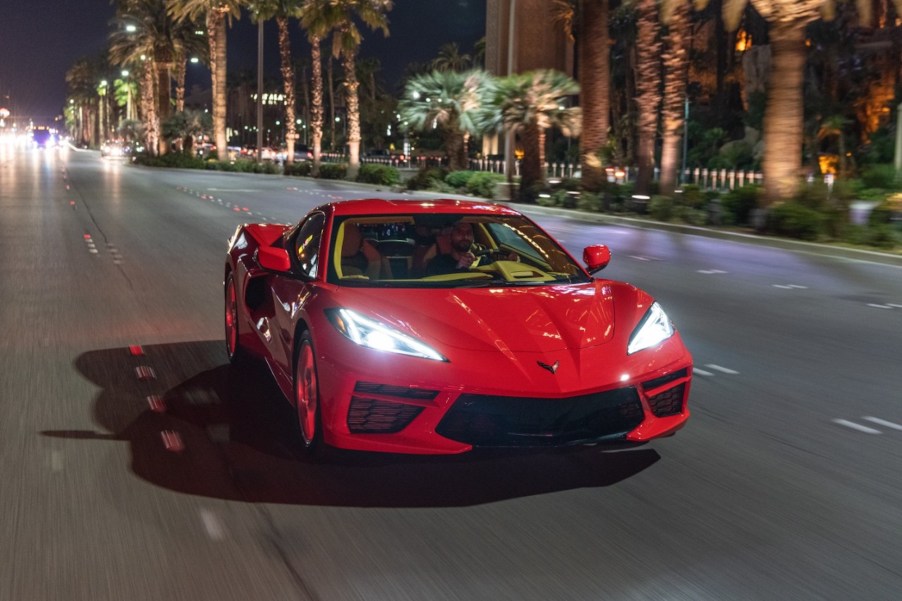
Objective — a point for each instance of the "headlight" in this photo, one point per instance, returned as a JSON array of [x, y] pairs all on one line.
[[654, 328], [378, 336]]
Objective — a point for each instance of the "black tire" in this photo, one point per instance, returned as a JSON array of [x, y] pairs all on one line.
[[306, 397], [232, 331]]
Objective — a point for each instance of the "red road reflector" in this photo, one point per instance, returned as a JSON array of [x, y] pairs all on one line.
[[136, 350], [145, 372], [172, 441], [156, 403]]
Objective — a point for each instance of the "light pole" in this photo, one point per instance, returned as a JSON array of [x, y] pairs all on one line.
[[102, 113], [898, 158]]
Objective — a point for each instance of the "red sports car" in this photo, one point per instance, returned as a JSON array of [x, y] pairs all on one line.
[[438, 326]]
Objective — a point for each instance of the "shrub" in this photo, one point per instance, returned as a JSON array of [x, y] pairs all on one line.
[[795, 220], [483, 184], [661, 208], [589, 201], [176, 160], [427, 178], [299, 168], [880, 176], [333, 171], [375, 173], [459, 179], [879, 236], [738, 204]]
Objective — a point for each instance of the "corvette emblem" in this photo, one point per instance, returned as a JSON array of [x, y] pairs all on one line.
[[552, 368]]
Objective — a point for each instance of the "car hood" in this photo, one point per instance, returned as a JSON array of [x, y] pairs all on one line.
[[522, 319]]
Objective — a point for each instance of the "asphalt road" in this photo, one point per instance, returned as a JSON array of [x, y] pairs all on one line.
[[137, 466]]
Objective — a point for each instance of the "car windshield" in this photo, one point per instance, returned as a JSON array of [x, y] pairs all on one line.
[[447, 251]]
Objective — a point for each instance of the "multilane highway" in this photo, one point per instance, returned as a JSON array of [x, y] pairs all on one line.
[[137, 465]]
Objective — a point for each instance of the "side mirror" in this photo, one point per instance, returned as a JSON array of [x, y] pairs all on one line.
[[274, 259], [596, 257]]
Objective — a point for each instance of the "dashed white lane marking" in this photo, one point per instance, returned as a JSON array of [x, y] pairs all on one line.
[[145, 372], [172, 440], [723, 370], [213, 525], [894, 305], [790, 287], [854, 426], [701, 372], [711, 271], [639, 258], [56, 461], [876, 306], [883, 422]]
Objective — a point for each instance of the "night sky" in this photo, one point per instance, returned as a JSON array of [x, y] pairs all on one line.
[[41, 39]]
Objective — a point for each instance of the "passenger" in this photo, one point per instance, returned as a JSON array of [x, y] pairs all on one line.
[[358, 255]]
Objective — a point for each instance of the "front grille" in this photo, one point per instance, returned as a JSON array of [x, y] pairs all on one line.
[[373, 416], [496, 421], [669, 402]]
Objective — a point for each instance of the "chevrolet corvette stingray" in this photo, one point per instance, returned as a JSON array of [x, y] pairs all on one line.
[[519, 345]]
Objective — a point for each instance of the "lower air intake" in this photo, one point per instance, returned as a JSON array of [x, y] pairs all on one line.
[[372, 416], [669, 402], [495, 421]]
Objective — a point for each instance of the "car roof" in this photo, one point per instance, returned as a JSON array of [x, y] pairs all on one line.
[[380, 206]]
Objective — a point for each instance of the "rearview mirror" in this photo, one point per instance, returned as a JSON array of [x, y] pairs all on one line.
[[596, 257], [274, 259]]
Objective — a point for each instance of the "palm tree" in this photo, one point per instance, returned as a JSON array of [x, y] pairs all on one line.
[[282, 11], [450, 59], [586, 21], [217, 15], [316, 22], [80, 81], [675, 15], [784, 111], [451, 101], [835, 126], [345, 44], [144, 28], [529, 104], [187, 126], [648, 94]]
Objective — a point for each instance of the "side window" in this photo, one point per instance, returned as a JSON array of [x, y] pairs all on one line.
[[306, 244]]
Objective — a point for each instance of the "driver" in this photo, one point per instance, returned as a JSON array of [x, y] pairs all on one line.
[[460, 256]]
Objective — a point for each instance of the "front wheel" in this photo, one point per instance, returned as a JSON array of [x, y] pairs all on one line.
[[233, 341], [306, 395]]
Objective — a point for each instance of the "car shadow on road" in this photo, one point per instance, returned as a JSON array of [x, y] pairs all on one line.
[[195, 424]]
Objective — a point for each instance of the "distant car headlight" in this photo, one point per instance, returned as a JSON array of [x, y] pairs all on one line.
[[372, 334], [654, 328]]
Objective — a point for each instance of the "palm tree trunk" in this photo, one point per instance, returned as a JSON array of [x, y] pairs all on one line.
[[331, 102], [148, 109], [288, 84], [164, 99], [532, 169], [181, 71], [648, 97], [676, 66], [316, 107], [216, 26], [353, 113], [784, 113], [594, 78]]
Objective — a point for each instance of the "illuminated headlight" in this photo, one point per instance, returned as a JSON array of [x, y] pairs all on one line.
[[654, 328], [378, 336]]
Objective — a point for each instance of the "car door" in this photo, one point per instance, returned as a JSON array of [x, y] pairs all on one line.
[[291, 290]]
